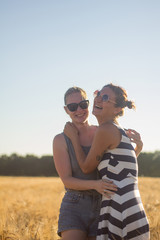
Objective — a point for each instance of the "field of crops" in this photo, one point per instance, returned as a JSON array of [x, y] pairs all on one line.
[[29, 207]]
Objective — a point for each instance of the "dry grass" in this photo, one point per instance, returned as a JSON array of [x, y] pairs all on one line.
[[29, 207]]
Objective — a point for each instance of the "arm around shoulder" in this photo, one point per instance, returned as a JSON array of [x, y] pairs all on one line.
[[64, 169], [101, 143]]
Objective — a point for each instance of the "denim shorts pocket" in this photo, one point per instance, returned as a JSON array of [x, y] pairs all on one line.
[[71, 197]]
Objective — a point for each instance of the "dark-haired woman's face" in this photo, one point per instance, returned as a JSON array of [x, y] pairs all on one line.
[[104, 103]]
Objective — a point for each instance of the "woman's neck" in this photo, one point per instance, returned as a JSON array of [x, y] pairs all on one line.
[[86, 133], [106, 120], [82, 126]]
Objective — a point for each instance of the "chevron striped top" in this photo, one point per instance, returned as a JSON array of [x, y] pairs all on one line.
[[122, 217]]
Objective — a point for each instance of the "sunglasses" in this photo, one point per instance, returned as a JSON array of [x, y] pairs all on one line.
[[105, 97], [73, 106]]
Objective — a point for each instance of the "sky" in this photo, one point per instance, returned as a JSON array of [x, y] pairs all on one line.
[[48, 46]]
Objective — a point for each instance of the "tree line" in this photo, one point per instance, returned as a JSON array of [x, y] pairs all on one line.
[[31, 165]]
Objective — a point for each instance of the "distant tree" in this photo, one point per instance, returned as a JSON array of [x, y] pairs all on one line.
[[149, 164]]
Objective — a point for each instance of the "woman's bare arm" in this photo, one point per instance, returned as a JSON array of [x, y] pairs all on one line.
[[63, 167], [105, 137]]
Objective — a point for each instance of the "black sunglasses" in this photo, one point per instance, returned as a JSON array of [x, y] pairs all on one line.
[[73, 106], [105, 97]]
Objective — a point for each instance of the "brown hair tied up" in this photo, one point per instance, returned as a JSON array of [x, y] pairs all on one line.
[[121, 98], [130, 104]]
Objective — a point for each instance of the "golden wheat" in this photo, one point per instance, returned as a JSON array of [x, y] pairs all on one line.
[[29, 207]]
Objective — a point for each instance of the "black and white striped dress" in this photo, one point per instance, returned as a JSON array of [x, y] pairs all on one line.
[[122, 216]]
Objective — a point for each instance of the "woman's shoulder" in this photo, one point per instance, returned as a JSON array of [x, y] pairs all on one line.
[[109, 133], [93, 128], [108, 128], [59, 138]]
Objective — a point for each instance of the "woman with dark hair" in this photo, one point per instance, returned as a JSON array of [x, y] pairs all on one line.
[[122, 215]]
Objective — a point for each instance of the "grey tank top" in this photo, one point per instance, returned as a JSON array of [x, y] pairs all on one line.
[[76, 170]]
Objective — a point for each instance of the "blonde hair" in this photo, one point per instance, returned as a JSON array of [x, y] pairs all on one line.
[[74, 90]]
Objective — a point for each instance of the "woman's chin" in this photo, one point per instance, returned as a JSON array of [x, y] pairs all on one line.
[[95, 112]]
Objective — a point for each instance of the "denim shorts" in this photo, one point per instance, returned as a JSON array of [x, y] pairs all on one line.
[[79, 210]]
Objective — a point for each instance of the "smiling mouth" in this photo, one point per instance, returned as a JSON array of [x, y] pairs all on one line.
[[98, 107], [80, 115]]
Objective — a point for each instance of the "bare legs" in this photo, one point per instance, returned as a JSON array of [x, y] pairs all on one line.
[[76, 235]]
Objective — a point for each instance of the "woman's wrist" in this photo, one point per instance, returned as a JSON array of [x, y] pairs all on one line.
[[138, 148]]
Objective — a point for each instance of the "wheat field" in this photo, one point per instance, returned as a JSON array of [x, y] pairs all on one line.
[[29, 207]]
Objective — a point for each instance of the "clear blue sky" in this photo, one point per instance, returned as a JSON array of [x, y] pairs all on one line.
[[49, 46]]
